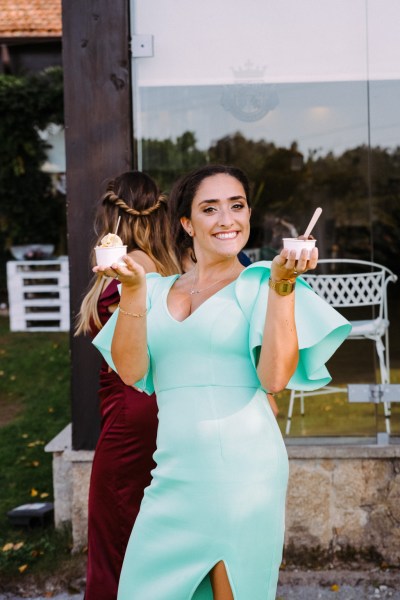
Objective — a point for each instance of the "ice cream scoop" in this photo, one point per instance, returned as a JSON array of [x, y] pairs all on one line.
[[110, 241]]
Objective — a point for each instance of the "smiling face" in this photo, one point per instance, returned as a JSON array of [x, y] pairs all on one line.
[[220, 217]]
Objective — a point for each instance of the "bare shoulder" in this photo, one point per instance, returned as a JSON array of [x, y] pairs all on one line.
[[144, 260], [182, 284]]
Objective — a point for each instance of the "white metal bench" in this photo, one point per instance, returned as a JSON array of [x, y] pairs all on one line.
[[348, 283]]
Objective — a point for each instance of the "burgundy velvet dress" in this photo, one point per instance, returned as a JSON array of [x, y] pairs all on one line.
[[121, 470]]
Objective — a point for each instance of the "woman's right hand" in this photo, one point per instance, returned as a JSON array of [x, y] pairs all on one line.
[[131, 274]]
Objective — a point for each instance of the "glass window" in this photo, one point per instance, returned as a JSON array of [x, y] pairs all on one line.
[[305, 97]]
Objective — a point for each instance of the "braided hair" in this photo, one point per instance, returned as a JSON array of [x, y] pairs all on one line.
[[144, 225], [112, 197]]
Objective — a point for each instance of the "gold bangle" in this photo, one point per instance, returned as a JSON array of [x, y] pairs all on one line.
[[125, 312]]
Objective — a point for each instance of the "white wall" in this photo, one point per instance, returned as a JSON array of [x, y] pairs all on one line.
[[212, 41]]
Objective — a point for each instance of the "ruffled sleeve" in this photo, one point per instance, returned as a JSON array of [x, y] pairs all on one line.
[[320, 328], [103, 339]]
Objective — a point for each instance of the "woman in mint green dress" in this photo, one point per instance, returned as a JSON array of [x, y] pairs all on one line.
[[211, 342]]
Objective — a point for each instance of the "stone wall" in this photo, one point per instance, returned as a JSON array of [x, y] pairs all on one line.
[[71, 476], [345, 497], [339, 496]]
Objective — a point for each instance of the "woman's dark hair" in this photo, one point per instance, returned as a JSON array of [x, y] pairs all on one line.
[[181, 199]]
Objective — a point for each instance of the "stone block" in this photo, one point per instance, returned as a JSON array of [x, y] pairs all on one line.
[[62, 476], [81, 469], [71, 477], [308, 504]]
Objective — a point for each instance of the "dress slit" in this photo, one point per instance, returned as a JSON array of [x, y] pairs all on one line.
[[203, 590]]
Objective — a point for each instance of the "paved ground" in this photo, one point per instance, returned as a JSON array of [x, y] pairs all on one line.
[[346, 592], [304, 585], [285, 592], [64, 596], [337, 584], [304, 592]]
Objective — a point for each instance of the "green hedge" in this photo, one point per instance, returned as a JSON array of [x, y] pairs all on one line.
[[30, 210]]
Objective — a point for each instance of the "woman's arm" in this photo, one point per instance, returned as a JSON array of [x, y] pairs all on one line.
[[280, 351], [273, 404], [129, 345]]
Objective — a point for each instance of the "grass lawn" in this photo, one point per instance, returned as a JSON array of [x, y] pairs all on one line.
[[333, 415], [34, 407]]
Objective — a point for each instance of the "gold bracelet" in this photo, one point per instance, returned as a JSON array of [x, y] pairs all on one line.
[[125, 312], [284, 287]]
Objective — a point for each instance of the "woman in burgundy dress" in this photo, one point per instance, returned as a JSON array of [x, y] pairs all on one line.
[[123, 458]]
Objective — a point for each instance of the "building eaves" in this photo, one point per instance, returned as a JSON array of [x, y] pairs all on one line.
[[30, 19]]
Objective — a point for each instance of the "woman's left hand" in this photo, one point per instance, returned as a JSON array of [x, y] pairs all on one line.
[[285, 265]]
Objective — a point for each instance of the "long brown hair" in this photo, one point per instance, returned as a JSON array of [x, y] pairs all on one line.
[[144, 225]]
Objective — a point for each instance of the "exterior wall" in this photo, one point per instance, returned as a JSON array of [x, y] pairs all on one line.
[[340, 498], [81, 467], [34, 57], [344, 499], [71, 477]]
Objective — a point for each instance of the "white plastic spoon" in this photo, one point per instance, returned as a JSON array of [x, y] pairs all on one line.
[[310, 226]]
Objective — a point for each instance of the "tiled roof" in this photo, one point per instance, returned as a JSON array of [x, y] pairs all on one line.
[[30, 18]]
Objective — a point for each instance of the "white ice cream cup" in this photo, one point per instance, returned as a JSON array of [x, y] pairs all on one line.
[[298, 245], [105, 257]]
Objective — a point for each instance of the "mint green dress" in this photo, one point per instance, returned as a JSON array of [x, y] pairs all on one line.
[[218, 490]]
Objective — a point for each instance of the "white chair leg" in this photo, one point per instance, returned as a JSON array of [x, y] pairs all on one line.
[[386, 411], [380, 350], [387, 367], [385, 378], [387, 358], [290, 412], [302, 411]]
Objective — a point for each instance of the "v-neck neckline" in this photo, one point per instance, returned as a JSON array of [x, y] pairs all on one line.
[[167, 291]]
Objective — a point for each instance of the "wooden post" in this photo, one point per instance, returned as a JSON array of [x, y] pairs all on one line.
[[98, 117]]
